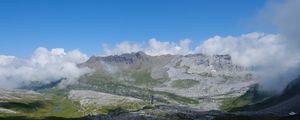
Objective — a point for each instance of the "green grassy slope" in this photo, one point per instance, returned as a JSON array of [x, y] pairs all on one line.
[[139, 87]]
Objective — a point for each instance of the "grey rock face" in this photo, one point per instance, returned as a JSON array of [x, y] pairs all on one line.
[[131, 61]]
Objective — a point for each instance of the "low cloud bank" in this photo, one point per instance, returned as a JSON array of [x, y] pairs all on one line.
[[44, 66]]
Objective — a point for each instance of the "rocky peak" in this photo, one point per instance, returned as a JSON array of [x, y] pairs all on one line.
[[127, 58]]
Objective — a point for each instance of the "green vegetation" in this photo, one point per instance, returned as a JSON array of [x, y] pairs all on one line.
[[136, 78], [137, 88], [22, 105], [184, 83], [143, 78], [179, 99], [250, 97], [120, 107], [231, 103], [100, 77], [56, 107], [265, 99], [34, 118], [55, 91]]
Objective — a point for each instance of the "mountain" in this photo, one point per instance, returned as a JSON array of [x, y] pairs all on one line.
[[207, 79], [140, 86]]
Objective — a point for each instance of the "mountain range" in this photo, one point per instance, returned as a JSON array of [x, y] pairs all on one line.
[[140, 86]]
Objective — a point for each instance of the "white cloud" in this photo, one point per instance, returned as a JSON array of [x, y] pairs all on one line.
[[124, 47], [159, 48], [269, 54], [44, 66], [247, 49], [6, 59], [153, 48], [282, 16]]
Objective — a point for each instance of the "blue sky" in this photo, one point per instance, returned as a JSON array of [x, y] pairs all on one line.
[[87, 24]]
